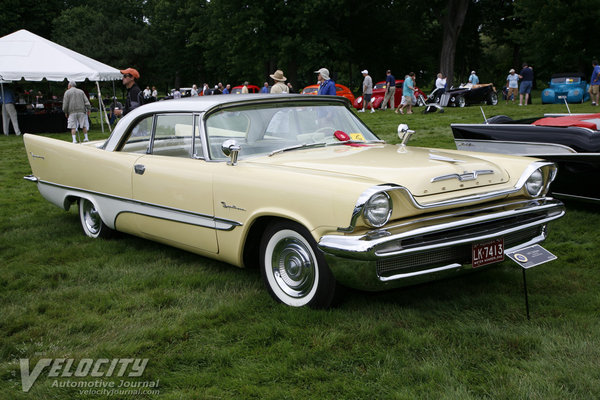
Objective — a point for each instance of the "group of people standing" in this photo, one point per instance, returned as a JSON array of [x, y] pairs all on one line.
[[512, 84], [408, 92]]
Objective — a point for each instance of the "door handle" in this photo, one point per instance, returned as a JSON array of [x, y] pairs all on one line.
[[139, 169]]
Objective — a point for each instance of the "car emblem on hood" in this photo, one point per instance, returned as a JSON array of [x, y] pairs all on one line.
[[465, 176]]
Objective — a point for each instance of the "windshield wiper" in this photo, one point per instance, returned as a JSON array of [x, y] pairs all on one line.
[[298, 146]]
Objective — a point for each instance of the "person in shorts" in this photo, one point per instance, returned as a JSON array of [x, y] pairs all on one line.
[[76, 107], [526, 76], [408, 90]]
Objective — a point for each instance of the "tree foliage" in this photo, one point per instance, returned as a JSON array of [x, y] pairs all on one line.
[[181, 42]]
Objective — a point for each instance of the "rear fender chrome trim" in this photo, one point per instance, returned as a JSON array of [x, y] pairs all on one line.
[[31, 178]]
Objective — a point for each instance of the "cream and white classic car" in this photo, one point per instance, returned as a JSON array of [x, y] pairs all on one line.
[[300, 187]]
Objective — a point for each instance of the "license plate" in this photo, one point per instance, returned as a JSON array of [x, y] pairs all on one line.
[[487, 253]]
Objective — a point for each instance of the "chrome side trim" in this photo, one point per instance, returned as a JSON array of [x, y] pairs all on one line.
[[31, 178], [530, 149], [360, 203], [110, 207]]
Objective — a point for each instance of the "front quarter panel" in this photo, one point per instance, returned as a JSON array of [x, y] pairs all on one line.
[[321, 202]]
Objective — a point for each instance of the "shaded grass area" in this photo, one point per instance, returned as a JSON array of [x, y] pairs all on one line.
[[211, 331]]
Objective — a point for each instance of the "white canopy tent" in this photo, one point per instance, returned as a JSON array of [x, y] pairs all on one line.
[[25, 55]]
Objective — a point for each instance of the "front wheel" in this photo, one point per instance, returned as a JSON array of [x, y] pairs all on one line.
[[293, 269], [91, 223], [460, 101]]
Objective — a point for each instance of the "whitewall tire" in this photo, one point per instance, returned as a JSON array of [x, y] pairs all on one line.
[[91, 223], [293, 268]]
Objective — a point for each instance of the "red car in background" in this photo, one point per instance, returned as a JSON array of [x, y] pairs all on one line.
[[379, 94], [251, 89], [340, 90]]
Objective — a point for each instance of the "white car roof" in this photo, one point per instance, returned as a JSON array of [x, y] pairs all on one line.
[[201, 104]]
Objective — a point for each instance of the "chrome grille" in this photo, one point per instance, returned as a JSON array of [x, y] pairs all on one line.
[[461, 254]]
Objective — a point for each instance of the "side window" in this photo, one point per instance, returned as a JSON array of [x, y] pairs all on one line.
[[226, 125], [139, 138], [173, 135]]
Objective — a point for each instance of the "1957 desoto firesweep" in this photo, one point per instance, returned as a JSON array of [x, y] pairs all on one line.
[[299, 186]]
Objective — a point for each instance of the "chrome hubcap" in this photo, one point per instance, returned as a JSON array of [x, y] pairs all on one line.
[[91, 218], [293, 267]]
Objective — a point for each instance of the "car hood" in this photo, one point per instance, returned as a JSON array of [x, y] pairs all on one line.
[[422, 171]]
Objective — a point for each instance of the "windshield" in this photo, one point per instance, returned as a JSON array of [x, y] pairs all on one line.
[[557, 81], [310, 90], [266, 128]]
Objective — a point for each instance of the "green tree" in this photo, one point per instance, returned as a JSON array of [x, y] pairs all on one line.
[[558, 35], [35, 16]]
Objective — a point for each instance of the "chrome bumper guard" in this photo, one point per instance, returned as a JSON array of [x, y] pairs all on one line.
[[420, 249], [31, 178]]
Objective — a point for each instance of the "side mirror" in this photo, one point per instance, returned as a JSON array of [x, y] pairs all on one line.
[[404, 134], [231, 149]]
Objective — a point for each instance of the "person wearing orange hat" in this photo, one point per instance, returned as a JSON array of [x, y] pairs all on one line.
[[135, 97]]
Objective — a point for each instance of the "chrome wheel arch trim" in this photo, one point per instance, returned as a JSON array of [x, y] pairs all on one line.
[[110, 207], [366, 195]]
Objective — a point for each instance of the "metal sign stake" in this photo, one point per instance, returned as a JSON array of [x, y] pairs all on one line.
[[525, 289], [530, 257]]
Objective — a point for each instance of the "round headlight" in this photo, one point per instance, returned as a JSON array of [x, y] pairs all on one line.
[[535, 183], [378, 209]]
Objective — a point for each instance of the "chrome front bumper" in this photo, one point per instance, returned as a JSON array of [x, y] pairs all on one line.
[[436, 244]]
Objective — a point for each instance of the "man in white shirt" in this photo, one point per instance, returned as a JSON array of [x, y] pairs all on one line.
[[440, 83], [367, 91]]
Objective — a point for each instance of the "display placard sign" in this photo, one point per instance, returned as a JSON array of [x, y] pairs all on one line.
[[531, 256]]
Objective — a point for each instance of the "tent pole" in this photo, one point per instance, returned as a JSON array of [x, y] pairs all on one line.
[[104, 115], [2, 105], [100, 104]]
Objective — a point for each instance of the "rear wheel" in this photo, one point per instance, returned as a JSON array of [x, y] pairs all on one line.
[[293, 268], [492, 99], [91, 223]]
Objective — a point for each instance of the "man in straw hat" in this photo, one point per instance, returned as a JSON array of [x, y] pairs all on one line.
[[279, 86]]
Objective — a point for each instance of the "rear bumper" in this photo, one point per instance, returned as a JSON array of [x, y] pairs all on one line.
[[434, 245]]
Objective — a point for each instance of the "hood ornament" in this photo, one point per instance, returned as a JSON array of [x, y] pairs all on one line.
[[465, 176]]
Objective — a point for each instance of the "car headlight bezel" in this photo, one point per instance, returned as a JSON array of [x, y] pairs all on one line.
[[535, 183], [378, 209]]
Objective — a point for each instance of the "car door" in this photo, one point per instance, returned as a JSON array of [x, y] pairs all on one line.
[[173, 188]]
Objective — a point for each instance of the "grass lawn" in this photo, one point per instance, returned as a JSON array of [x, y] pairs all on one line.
[[211, 331]]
